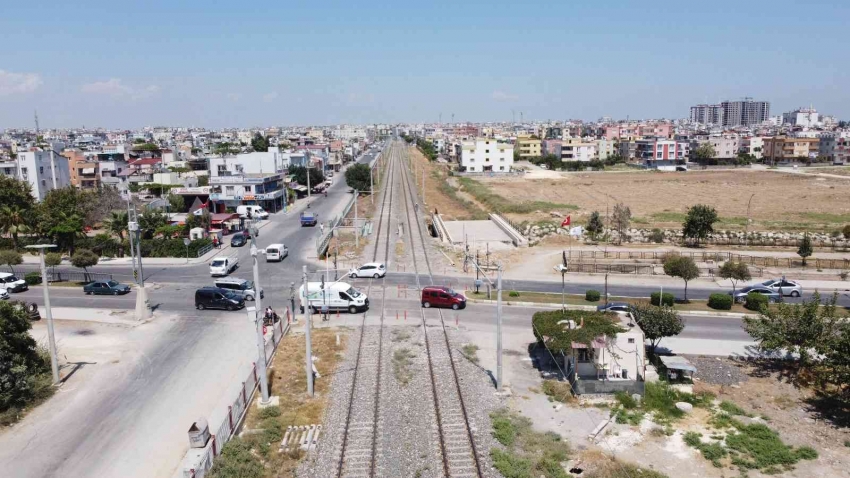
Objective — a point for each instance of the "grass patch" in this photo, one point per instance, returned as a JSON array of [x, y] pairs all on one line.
[[747, 446], [487, 197], [825, 217], [256, 455], [668, 216], [471, 352], [527, 453], [400, 335], [558, 391], [402, 360]]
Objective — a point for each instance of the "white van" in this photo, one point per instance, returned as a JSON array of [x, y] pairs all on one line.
[[257, 212], [276, 252], [11, 283], [335, 295]]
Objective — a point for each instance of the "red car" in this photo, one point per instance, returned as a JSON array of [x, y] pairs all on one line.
[[440, 296]]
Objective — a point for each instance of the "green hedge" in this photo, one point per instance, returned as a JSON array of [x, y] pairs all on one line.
[[756, 301], [33, 278], [668, 298], [592, 295], [720, 301]]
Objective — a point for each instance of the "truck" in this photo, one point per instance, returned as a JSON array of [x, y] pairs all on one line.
[[221, 266], [309, 219], [333, 296]]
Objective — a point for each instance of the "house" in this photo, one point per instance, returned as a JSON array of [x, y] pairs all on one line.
[[609, 364], [43, 170], [784, 148], [529, 147], [486, 155], [264, 189]]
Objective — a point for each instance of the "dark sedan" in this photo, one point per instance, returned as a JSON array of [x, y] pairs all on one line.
[[109, 287], [741, 294], [238, 240]]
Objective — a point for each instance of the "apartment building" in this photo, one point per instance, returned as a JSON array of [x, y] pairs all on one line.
[[709, 115], [745, 112], [605, 148], [663, 154], [85, 170], [835, 147], [529, 147], [784, 148], [258, 162], [575, 149], [264, 189], [629, 131], [725, 146], [486, 155], [753, 145], [803, 117], [43, 170]]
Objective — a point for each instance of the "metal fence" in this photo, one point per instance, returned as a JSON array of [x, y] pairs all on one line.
[[636, 269], [325, 239], [238, 409], [59, 275], [708, 256], [204, 250]]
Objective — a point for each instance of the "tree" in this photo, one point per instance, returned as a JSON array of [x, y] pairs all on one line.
[[146, 147], [259, 143], [117, 223], [150, 221], [682, 267], [22, 368], [84, 259], [704, 152], [621, 217], [52, 259], [203, 180], [805, 330], [699, 222], [658, 322], [223, 149], [357, 177], [300, 175], [176, 202], [594, 225], [836, 360], [734, 271], [11, 259], [805, 250], [846, 231], [13, 220]]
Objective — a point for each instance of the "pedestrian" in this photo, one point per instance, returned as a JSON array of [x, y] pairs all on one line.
[[215, 242]]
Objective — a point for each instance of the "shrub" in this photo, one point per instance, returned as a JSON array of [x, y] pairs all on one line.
[[504, 430], [755, 301], [720, 301], [656, 236], [513, 293], [668, 298], [33, 278], [592, 296]]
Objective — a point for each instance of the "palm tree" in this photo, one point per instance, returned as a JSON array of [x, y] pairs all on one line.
[[13, 220], [117, 224]]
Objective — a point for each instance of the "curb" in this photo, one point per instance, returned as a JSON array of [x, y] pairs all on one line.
[[550, 305]]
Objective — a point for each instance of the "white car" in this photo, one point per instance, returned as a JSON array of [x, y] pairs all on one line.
[[11, 283], [371, 269], [4, 294]]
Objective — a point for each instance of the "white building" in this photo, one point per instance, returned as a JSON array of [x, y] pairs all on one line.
[[268, 162], [43, 170], [574, 149], [485, 155], [805, 117]]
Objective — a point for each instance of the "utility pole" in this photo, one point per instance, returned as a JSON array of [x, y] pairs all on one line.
[[371, 187], [139, 249], [356, 232], [292, 297], [258, 319], [130, 227], [51, 338], [423, 187], [499, 329], [307, 326], [308, 176]]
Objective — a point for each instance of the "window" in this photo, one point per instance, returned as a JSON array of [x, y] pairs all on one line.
[[41, 170], [228, 189], [584, 355], [631, 341], [247, 188], [486, 150], [486, 160], [501, 168], [43, 182]]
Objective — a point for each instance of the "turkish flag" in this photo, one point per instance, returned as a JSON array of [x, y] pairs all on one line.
[[566, 222]]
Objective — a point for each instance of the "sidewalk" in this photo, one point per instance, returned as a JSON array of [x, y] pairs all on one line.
[[83, 314]]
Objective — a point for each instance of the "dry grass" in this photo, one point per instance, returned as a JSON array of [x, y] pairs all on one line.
[[661, 199], [439, 194], [288, 381]]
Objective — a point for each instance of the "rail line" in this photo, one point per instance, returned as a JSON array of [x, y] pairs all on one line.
[[359, 451], [457, 444]]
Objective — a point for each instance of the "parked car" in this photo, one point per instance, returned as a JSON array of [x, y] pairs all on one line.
[[252, 211], [439, 296], [238, 240], [11, 283], [618, 307], [371, 269], [741, 294], [215, 298], [108, 287], [276, 252], [4, 294], [244, 288], [789, 287]]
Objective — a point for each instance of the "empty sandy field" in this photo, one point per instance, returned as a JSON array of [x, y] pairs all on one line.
[[779, 200]]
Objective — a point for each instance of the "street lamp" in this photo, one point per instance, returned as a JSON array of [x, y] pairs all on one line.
[[54, 364], [186, 242]]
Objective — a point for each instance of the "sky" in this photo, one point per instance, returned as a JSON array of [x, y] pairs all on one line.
[[98, 63]]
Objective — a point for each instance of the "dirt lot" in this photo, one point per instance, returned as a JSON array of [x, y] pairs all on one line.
[[780, 201]]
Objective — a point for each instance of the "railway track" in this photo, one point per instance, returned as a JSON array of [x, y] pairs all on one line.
[[358, 456], [457, 444]]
